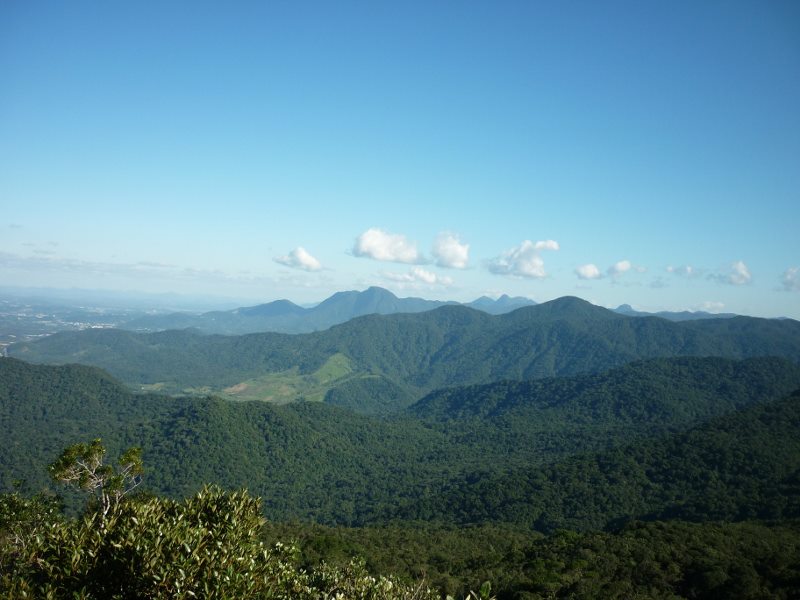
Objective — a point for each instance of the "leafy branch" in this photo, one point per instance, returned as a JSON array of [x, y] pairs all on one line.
[[81, 466]]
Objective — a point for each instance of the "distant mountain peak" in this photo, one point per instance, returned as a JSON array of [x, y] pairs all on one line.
[[571, 307], [501, 305], [569, 302], [375, 289], [270, 309], [375, 292]]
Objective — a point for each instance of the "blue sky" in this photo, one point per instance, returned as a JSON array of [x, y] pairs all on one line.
[[625, 152]]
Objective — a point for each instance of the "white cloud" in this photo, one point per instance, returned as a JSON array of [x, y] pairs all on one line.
[[619, 268], [737, 274], [449, 252], [299, 258], [390, 247], [683, 271], [589, 271], [546, 245], [419, 275], [791, 279], [523, 261]]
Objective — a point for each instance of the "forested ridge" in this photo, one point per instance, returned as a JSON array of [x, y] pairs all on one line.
[[414, 354], [662, 438]]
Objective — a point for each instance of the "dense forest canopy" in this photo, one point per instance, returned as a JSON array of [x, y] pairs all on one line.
[[644, 435]]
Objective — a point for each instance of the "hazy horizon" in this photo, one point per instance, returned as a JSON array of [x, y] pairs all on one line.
[[170, 301], [624, 153]]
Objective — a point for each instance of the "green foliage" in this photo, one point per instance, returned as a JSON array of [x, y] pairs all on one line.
[[81, 466], [664, 560], [581, 452], [204, 547], [370, 395], [745, 465], [23, 519], [454, 560], [642, 560]]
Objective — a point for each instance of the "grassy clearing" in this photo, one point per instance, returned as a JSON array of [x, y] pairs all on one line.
[[280, 388], [290, 386]]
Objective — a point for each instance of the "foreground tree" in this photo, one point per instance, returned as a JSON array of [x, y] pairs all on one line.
[[81, 467], [129, 547]]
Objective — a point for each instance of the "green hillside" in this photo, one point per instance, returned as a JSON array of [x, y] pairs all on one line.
[[745, 465], [314, 461]]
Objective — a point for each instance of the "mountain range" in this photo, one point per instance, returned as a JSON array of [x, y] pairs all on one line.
[[284, 316], [684, 315], [382, 363]]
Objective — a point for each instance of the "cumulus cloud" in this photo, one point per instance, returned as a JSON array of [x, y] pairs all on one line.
[[419, 275], [739, 274], [791, 279], [523, 261], [546, 245], [619, 268], [588, 271], [736, 274], [449, 252], [381, 245], [615, 271], [299, 258]]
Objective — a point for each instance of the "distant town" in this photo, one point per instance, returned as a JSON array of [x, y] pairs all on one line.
[[22, 321]]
